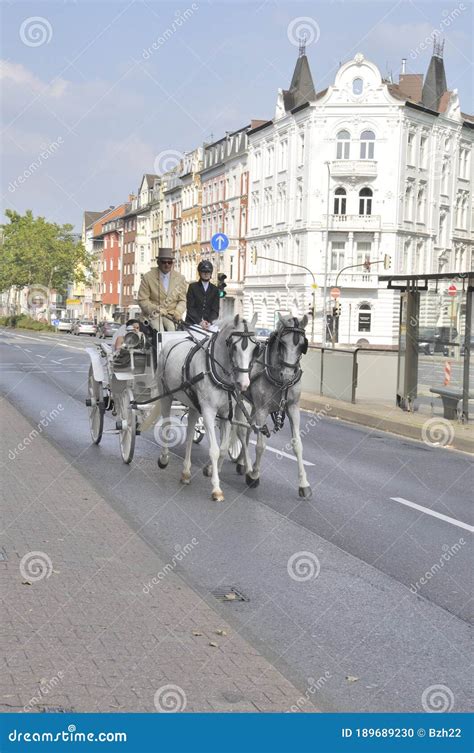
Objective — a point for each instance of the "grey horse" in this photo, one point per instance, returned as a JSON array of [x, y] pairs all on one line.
[[209, 373], [275, 387]]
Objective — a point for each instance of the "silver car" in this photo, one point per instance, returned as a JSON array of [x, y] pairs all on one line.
[[64, 325], [84, 327]]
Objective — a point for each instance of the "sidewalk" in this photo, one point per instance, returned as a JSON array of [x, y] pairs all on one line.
[[434, 431], [84, 626]]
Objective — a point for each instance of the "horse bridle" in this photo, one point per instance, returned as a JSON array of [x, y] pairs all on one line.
[[247, 336], [277, 338]]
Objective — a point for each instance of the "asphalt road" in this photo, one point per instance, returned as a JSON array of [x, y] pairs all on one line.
[[387, 615]]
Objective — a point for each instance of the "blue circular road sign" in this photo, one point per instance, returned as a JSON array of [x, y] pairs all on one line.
[[219, 242]]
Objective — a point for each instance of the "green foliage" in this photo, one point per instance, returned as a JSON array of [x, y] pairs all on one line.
[[37, 252], [22, 321]]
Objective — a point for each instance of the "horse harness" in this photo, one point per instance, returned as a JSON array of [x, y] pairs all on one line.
[[278, 416]]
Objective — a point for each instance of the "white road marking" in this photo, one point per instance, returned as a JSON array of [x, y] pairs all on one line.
[[435, 514], [281, 453], [46, 340]]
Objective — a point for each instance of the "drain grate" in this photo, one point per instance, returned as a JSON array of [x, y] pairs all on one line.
[[56, 710], [223, 592]]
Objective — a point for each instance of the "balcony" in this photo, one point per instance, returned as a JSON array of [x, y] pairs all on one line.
[[362, 168], [353, 279], [354, 221]]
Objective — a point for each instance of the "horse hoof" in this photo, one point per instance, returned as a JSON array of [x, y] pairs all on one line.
[[240, 469], [207, 470], [217, 496], [305, 491], [185, 478], [162, 463], [252, 482]]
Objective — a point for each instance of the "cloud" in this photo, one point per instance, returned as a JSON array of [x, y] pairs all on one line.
[[18, 75]]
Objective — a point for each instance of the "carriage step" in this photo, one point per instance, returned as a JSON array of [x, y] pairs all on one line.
[[111, 431]]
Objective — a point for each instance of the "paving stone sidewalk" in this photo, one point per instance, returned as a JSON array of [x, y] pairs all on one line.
[[79, 633]]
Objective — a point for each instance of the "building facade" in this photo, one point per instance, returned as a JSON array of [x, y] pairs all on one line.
[[348, 176]]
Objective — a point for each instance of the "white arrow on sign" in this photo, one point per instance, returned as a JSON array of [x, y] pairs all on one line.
[[220, 240]]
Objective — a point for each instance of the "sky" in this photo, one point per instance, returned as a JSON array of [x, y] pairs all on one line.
[[94, 94]]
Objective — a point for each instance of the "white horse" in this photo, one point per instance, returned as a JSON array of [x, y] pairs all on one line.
[[275, 388], [205, 376]]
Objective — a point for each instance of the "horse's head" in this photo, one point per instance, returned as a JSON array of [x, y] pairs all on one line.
[[242, 347], [290, 343]]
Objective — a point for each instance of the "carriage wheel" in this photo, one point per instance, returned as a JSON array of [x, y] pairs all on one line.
[[95, 403], [127, 425], [235, 446], [199, 431]]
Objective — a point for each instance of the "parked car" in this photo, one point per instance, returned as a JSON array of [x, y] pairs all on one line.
[[64, 325], [426, 341], [84, 327], [107, 329]]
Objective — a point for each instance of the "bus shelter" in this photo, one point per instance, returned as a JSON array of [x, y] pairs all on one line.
[[435, 343]]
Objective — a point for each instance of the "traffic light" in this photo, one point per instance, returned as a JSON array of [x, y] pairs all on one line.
[[387, 261], [221, 285], [254, 256], [336, 309], [311, 312]]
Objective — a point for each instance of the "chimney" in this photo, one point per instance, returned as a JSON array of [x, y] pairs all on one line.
[[404, 65]]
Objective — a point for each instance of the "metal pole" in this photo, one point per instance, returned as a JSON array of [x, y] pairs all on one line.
[[467, 353], [325, 286]]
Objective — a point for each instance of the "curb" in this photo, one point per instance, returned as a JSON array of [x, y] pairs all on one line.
[[346, 412]]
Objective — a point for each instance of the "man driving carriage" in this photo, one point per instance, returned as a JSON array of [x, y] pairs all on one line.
[[162, 293]]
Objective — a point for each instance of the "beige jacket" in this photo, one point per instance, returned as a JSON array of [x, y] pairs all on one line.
[[153, 297]]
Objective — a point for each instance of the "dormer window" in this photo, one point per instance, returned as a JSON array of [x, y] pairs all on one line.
[[357, 86]]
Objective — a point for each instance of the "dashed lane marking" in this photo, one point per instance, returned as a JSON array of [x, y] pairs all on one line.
[[434, 514]]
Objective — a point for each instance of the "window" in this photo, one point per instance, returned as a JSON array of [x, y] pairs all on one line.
[[269, 160], [409, 194], [301, 148], [337, 255], [423, 142], [367, 145], [282, 154], [421, 205], [142, 254], [365, 201], [299, 200], [343, 145], [365, 318], [363, 252], [410, 147], [357, 86], [340, 201]]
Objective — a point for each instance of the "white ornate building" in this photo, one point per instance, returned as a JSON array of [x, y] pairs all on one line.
[[363, 169]]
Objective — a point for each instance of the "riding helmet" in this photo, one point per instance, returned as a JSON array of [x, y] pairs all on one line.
[[205, 266]]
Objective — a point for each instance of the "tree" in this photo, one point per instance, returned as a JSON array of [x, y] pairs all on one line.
[[36, 252]]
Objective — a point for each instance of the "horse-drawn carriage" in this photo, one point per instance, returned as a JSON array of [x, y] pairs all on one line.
[[126, 392], [226, 379]]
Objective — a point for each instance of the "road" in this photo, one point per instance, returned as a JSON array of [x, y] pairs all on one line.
[[386, 616]]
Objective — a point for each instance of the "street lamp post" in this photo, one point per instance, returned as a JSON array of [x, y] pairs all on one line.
[[326, 253]]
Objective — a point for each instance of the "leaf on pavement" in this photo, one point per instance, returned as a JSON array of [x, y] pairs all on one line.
[[25, 583], [214, 645], [196, 632], [230, 597], [221, 632], [351, 678]]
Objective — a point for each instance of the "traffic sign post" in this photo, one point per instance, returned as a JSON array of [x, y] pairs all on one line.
[[219, 242]]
